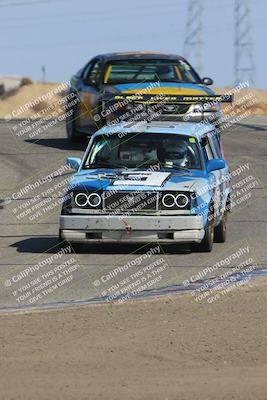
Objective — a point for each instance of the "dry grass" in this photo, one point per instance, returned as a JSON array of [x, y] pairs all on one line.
[[26, 81], [42, 106], [25, 94], [254, 100]]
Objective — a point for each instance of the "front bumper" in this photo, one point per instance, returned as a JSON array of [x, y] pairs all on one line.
[[209, 117], [163, 115], [134, 228]]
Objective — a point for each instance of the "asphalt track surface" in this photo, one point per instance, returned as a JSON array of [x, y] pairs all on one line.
[[30, 238]]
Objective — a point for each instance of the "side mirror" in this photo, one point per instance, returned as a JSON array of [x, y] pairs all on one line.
[[214, 165], [207, 81], [74, 162], [89, 82]]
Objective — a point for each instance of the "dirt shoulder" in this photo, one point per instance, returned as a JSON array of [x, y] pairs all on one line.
[[166, 348], [36, 100]]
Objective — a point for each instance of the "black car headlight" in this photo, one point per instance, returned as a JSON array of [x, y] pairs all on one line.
[[204, 107], [175, 201]]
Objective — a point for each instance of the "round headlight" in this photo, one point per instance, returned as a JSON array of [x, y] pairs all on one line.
[[94, 200], [81, 199], [168, 200], [181, 200]]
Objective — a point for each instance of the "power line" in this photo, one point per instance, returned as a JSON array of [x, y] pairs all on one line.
[[244, 67], [25, 3], [194, 35]]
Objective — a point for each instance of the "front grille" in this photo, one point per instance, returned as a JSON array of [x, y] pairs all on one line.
[[166, 108], [175, 108], [130, 201]]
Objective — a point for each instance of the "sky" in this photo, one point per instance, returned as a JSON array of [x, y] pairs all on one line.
[[64, 34]]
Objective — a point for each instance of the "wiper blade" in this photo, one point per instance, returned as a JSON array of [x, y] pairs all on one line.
[[105, 165], [171, 80], [176, 166], [98, 165], [118, 165]]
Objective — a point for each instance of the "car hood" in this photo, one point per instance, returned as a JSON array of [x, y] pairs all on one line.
[[169, 88], [132, 180]]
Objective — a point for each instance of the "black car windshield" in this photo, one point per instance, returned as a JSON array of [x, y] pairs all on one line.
[[144, 150], [129, 71]]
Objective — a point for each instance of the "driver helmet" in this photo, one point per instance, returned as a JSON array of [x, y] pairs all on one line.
[[176, 153], [165, 72]]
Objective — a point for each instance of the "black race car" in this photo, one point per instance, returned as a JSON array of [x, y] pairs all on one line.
[[115, 87]]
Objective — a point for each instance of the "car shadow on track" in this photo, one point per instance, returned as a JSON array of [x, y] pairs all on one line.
[[251, 126], [47, 244], [51, 245]]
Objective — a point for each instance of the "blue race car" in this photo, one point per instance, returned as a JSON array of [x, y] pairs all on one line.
[[160, 181]]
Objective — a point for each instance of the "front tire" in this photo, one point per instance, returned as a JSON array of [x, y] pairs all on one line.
[[72, 134], [205, 246]]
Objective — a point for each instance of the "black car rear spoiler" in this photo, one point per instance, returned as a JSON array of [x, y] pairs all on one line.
[[169, 99]]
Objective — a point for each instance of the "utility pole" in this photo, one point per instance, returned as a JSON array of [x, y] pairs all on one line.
[[193, 40], [43, 73], [244, 68]]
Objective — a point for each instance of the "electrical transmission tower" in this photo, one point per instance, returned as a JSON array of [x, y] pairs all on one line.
[[193, 40], [244, 62]]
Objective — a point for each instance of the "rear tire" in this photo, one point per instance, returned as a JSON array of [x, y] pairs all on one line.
[[220, 231]]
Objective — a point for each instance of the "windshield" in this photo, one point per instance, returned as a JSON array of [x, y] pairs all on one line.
[[144, 150], [125, 71]]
